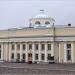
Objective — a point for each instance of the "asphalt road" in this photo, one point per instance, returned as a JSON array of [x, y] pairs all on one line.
[[36, 69]]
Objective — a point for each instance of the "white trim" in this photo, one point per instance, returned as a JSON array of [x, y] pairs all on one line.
[[1, 51], [52, 49], [21, 51], [26, 53], [59, 53], [45, 52], [63, 38], [65, 59], [15, 55], [39, 52], [72, 52], [33, 54], [9, 48]]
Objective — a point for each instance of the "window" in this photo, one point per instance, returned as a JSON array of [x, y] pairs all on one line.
[[30, 46], [49, 56], [0, 46], [23, 56], [12, 56], [0, 54], [13, 46], [68, 45], [24, 46], [49, 46], [42, 46], [36, 46], [47, 22], [36, 56], [18, 55], [18, 46], [68, 54], [42, 56], [37, 22]]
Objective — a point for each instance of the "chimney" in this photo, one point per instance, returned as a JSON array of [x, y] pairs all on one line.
[[69, 25]]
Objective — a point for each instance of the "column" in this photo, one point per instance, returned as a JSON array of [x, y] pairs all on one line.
[[65, 55], [20, 51], [15, 55], [2, 52], [6, 52], [59, 52], [72, 52], [26, 52], [9, 48], [39, 51], [52, 49], [33, 54], [45, 52]]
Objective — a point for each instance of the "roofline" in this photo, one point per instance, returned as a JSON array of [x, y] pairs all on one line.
[[14, 29]]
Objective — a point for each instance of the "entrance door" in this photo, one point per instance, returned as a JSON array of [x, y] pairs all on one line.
[[29, 57]]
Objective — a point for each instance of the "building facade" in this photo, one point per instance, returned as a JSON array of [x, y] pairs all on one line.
[[42, 41]]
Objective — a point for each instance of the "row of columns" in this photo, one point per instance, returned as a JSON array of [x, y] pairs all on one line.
[[32, 51], [6, 52], [65, 53]]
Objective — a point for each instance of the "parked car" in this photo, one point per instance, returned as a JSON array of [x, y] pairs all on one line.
[[51, 61], [22, 61]]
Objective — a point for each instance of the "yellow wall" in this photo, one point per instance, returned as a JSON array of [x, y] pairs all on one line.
[[37, 31], [65, 31]]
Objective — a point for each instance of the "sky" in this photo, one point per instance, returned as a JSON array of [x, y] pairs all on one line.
[[16, 13]]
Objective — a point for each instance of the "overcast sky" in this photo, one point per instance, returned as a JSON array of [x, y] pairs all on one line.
[[16, 13]]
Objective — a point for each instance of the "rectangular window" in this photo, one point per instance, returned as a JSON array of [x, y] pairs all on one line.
[[68, 54], [0, 51], [12, 56], [23, 46], [42, 56], [36, 56], [36, 46], [0, 46], [68, 46], [49, 46], [49, 56], [13, 47], [42, 46], [18, 46], [30, 46], [18, 55], [23, 56]]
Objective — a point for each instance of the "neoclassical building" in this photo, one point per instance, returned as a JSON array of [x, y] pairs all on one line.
[[42, 41]]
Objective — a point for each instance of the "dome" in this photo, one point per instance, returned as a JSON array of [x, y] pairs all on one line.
[[41, 20], [42, 16]]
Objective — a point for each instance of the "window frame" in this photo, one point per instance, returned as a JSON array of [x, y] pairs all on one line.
[[23, 46], [37, 22], [42, 56], [68, 46], [36, 56], [12, 56], [23, 56], [18, 46], [48, 47], [42, 46], [36, 47], [68, 55], [13, 46], [30, 46], [47, 22]]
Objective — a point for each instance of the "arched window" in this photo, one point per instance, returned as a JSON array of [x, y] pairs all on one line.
[[47, 22], [37, 22]]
